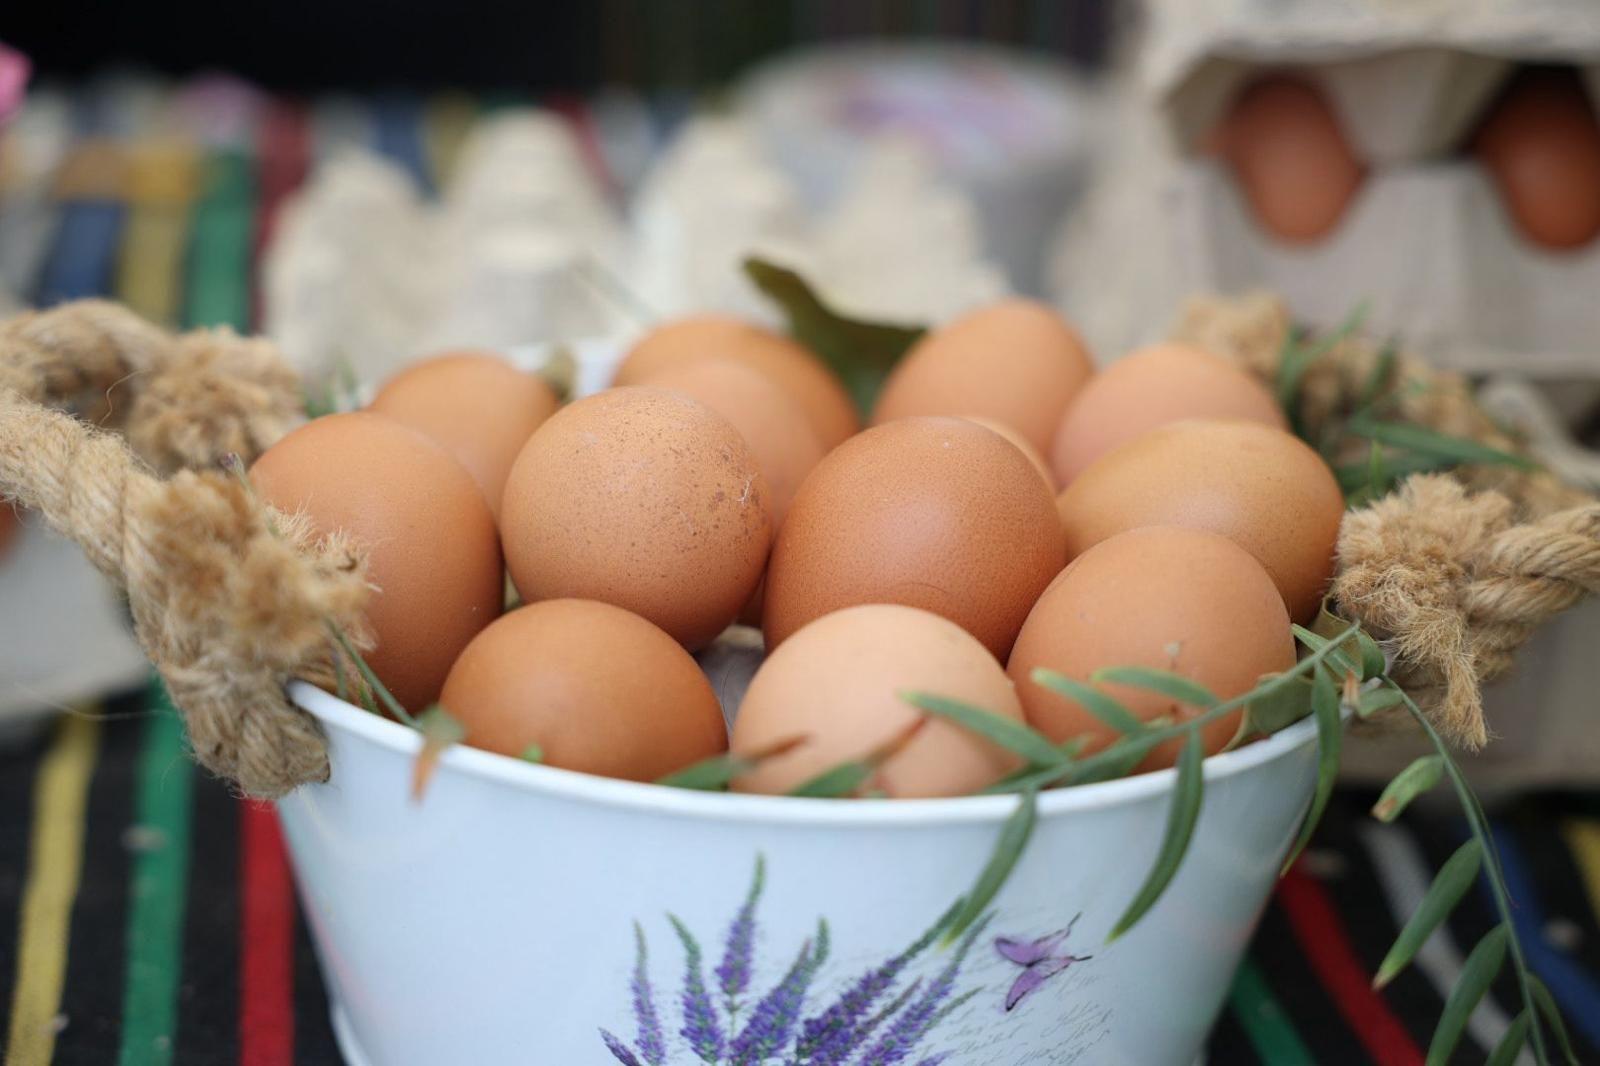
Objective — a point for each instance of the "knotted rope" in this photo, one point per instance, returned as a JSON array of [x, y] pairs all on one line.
[[1456, 571], [229, 600]]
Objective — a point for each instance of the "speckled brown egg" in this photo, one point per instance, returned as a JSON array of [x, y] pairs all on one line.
[[1017, 361], [936, 513], [1261, 487], [1152, 387], [771, 422], [837, 684], [476, 406], [432, 551], [791, 366], [1290, 157], [1183, 600], [1540, 145], [642, 498], [593, 687]]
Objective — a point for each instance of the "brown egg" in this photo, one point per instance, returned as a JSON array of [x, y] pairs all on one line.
[[595, 687], [1260, 487], [1016, 361], [1174, 599], [474, 405], [432, 551], [1152, 387], [641, 498], [935, 513], [1291, 158], [1541, 147], [792, 367], [772, 423], [837, 683], [1020, 443]]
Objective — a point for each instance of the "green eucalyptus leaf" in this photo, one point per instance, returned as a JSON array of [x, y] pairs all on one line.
[[1408, 784], [1378, 700], [1277, 708], [1104, 707], [1546, 1005], [1339, 658], [1510, 1045], [1010, 734], [860, 352], [1431, 444], [1007, 850], [846, 779], [1164, 682], [1372, 661], [1330, 735], [1455, 877], [714, 774], [1377, 382], [440, 730], [1187, 796], [1297, 357], [1476, 976]]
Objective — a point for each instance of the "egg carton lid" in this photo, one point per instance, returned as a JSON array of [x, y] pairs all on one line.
[[1195, 52]]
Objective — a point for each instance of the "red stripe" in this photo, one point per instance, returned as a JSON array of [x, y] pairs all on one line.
[[1322, 937], [266, 941], [283, 154], [581, 119], [266, 892]]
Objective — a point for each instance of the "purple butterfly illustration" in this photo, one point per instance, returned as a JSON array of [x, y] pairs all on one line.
[[1040, 960]]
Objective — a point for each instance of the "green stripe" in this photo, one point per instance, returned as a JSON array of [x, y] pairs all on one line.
[[160, 839], [217, 292], [1264, 1021]]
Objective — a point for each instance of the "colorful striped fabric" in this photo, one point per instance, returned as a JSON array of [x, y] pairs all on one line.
[[148, 916], [153, 919]]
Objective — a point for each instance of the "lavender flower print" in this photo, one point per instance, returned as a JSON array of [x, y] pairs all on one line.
[[733, 973], [700, 1025], [782, 1027], [908, 1029]]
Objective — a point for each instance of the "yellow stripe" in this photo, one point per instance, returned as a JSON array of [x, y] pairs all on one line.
[[55, 861], [1583, 837]]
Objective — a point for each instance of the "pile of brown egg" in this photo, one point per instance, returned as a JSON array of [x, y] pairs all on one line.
[[1008, 508]]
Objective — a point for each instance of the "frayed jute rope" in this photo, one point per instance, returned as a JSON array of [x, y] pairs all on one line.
[[229, 600], [1454, 571]]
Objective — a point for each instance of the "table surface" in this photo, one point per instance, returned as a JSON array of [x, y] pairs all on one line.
[[149, 915]]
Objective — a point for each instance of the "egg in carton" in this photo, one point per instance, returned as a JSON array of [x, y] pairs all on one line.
[[711, 200], [1424, 238], [349, 279], [903, 246], [522, 217]]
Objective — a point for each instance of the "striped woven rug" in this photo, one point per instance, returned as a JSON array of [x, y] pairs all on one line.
[[149, 917]]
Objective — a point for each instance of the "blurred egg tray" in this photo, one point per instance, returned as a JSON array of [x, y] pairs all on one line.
[[1473, 265]]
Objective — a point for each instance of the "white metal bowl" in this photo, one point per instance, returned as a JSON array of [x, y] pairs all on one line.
[[518, 911]]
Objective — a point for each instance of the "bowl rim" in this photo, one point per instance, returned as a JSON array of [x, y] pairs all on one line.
[[339, 716]]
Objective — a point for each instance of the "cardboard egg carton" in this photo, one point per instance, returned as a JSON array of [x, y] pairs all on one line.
[[1407, 79], [1426, 242]]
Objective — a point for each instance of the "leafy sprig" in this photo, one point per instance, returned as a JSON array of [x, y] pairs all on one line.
[[1391, 448]]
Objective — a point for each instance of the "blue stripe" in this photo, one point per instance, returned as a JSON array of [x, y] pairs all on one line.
[[1574, 989], [397, 131], [81, 262]]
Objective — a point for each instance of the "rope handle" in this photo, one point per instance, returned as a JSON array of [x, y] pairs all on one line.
[[229, 600]]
